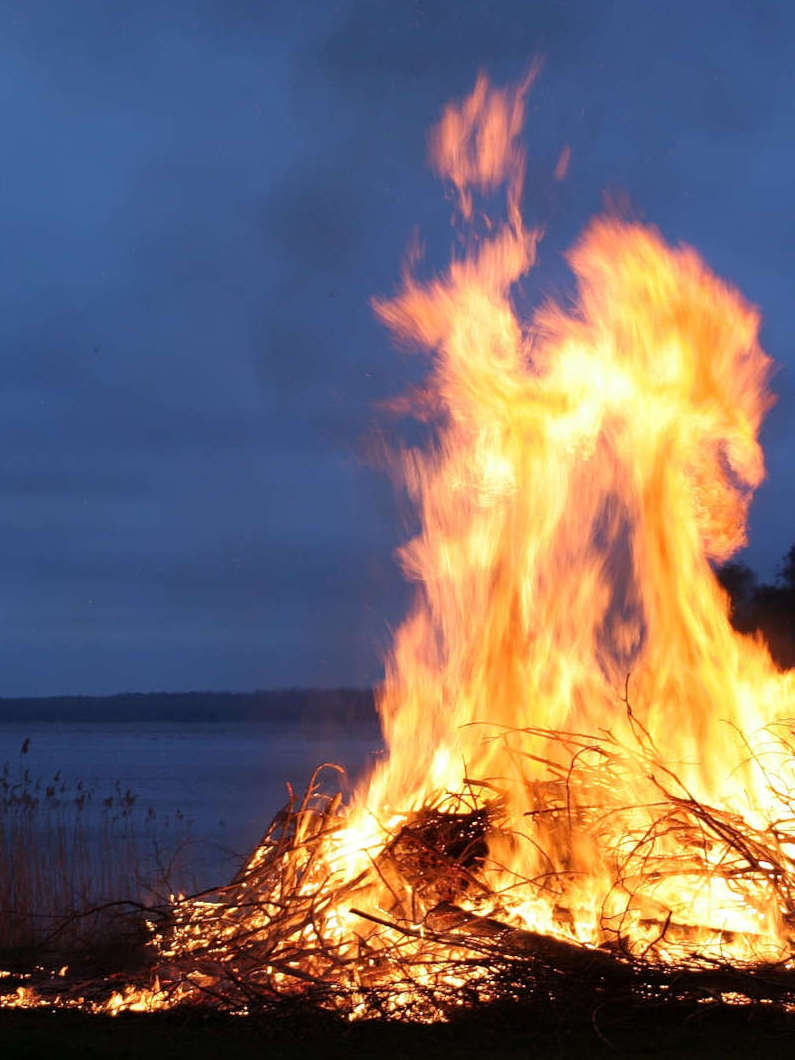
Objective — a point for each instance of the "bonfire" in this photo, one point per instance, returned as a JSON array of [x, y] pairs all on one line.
[[588, 774]]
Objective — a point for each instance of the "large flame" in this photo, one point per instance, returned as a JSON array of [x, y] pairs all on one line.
[[588, 464]]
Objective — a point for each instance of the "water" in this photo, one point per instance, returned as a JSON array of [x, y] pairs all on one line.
[[217, 785]]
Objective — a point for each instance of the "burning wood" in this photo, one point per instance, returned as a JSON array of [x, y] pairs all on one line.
[[438, 853]]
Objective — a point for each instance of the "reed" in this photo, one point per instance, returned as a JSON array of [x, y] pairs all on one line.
[[72, 856]]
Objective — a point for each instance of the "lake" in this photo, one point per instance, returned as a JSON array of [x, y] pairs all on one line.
[[216, 784]]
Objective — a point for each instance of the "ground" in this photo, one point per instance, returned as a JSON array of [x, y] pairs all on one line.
[[691, 1030]]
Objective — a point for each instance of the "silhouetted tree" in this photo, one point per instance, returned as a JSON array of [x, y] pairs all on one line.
[[766, 608], [786, 573], [739, 581]]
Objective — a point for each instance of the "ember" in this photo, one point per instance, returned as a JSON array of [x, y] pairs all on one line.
[[589, 771]]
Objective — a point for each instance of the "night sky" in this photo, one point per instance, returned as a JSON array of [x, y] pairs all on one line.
[[199, 200]]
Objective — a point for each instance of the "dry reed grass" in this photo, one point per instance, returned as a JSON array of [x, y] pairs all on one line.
[[71, 858]]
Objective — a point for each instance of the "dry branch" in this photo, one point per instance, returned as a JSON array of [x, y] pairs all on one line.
[[268, 935]]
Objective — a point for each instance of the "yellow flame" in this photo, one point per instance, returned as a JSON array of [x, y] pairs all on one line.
[[589, 463]]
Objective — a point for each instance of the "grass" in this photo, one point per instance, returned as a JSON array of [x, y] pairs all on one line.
[[76, 863]]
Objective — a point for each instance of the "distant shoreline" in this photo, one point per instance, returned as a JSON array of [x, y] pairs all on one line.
[[296, 705]]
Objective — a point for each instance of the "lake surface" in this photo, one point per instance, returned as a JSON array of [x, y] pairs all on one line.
[[216, 784]]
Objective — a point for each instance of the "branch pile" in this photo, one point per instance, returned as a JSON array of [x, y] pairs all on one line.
[[442, 938]]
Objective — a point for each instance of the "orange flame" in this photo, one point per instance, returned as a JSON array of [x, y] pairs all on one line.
[[588, 465]]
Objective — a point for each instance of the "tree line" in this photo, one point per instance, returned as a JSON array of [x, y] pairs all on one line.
[[296, 706], [768, 608]]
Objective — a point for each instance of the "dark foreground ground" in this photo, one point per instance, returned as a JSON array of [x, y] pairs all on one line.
[[691, 1030]]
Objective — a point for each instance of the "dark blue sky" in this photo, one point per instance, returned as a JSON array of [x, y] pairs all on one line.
[[199, 199]]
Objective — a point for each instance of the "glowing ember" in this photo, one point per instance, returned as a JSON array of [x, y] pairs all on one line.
[[581, 750]]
